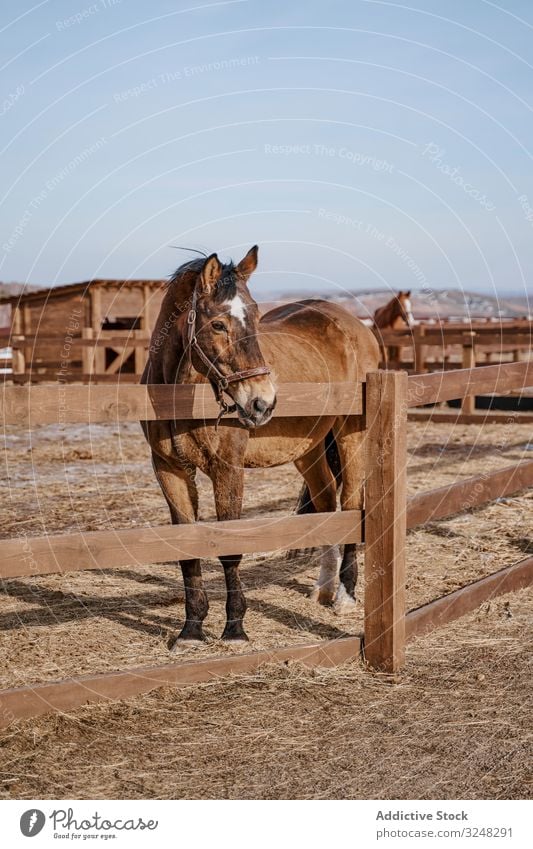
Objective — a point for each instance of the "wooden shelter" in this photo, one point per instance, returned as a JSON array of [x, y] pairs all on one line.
[[99, 327]]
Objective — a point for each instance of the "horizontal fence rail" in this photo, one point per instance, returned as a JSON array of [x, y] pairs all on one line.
[[467, 494], [446, 609], [485, 380], [438, 339], [480, 418], [128, 339], [60, 404], [63, 696], [109, 549]]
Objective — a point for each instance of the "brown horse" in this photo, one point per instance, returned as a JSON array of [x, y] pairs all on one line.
[[209, 330], [395, 315]]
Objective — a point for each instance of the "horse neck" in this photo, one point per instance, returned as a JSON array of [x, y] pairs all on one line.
[[386, 315], [166, 360], [395, 315]]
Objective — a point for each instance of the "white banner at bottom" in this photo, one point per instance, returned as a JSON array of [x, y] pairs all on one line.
[[278, 824]]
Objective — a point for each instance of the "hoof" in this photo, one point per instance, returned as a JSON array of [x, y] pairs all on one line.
[[187, 638], [235, 635], [322, 595], [344, 603], [177, 645], [325, 597], [313, 595]]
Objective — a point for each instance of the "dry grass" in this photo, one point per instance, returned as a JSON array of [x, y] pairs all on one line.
[[455, 724]]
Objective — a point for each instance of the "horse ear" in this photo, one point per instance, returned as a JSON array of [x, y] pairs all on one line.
[[408, 294], [248, 264], [210, 274]]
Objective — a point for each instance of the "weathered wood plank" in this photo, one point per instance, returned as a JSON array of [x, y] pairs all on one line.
[[75, 375], [108, 549], [432, 388], [442, 337], [480, 418], [131, 338], [471, 492], [65, 696], [450, 607], [385, 520], [60, 404]]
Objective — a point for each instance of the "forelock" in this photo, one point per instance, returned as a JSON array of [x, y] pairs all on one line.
[[227, 286]]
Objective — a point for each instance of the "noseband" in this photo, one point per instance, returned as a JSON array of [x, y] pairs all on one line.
[[220, 381]]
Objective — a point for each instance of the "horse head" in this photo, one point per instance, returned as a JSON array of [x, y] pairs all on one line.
[[221, 338], [403, 300]]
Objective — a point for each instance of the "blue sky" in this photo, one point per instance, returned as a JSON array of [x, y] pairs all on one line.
[[361, 144]]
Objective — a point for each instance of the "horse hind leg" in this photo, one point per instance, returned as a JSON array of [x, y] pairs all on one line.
[[179, 488], [349, 436], [324, 589], [305, 503], [322, 488]]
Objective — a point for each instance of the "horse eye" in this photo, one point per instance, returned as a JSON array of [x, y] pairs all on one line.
[[218, 325]]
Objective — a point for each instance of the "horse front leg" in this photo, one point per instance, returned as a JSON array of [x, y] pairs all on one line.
[[179, 488], [228, 484], [196, 604]]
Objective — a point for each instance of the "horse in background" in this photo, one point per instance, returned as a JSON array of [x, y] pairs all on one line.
[[397, 314]]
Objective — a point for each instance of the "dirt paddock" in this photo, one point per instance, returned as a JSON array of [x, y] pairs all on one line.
[[455, 724]]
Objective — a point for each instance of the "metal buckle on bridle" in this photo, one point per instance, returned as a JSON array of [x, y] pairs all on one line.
[[220, 386], [224, 409]]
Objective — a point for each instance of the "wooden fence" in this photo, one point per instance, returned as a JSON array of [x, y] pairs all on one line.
[[97, 356], [447, 347], [440, 347], [383, 526]]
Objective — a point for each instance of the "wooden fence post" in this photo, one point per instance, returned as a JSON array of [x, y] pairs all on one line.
[[18, 359], [385, 519], [468, 404], [140, 354], [420, 351], [95, 295], [87, 353]]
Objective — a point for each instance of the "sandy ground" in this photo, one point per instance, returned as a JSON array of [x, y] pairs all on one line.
[[455, 724]]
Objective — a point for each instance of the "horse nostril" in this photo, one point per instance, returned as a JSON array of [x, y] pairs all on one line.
[[259, 406]]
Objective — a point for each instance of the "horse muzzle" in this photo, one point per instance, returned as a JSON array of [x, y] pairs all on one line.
[[256, 412]]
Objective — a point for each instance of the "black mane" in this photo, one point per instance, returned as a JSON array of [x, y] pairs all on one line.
[[226, 286]]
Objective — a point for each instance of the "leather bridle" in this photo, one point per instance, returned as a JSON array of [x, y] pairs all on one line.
[[219, 381]]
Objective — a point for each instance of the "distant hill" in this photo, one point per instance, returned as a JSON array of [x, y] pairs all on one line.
[[436, 304]]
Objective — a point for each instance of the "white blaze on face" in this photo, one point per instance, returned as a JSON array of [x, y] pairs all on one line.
[[409, 311], [237, 309]]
